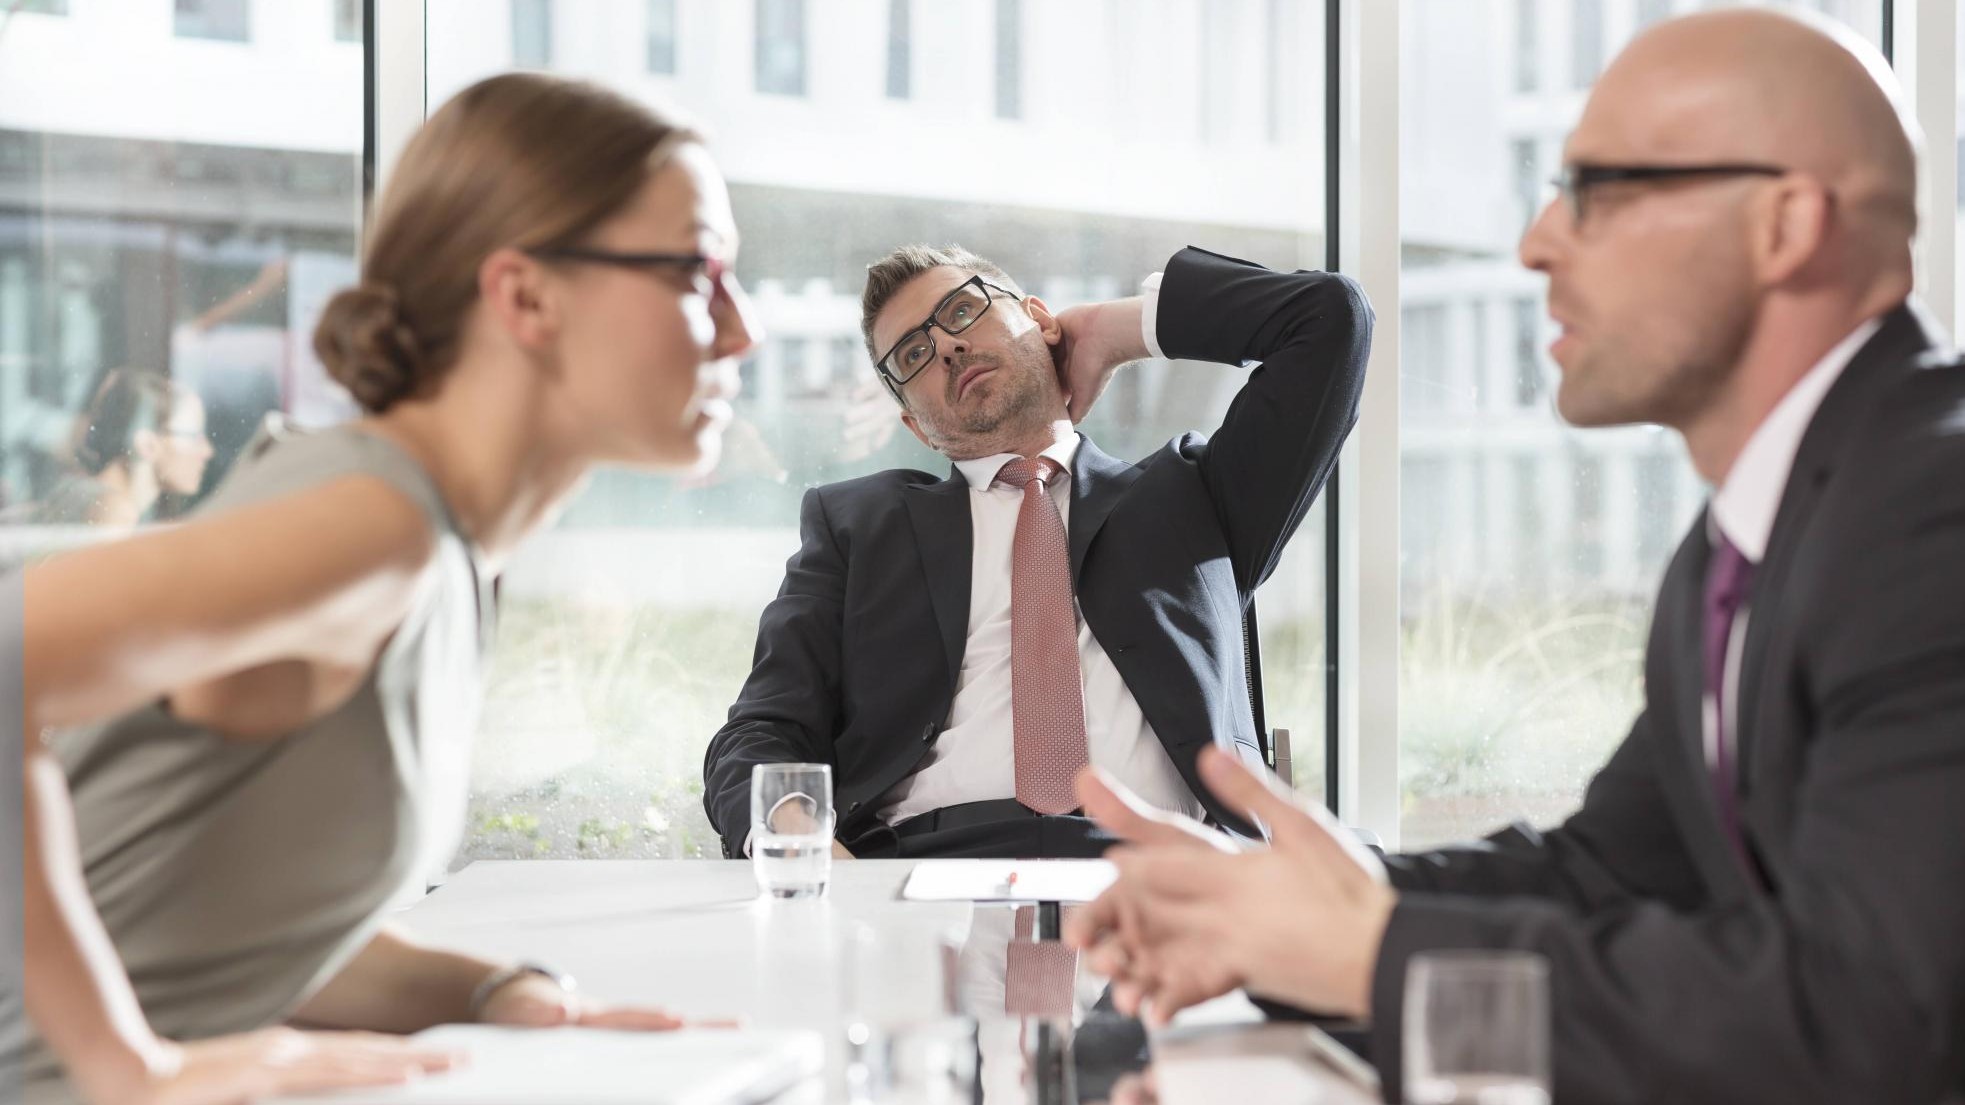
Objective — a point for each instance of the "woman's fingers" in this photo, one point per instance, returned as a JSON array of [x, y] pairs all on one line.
[[630, 1018]]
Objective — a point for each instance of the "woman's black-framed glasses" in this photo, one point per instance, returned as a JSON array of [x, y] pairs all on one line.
[[1575, 181], [957, 311], [704, 272]]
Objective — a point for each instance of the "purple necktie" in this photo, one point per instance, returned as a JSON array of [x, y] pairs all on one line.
[[1729, 582]]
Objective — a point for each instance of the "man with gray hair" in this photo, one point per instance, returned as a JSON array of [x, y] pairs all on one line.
[[958, 647]]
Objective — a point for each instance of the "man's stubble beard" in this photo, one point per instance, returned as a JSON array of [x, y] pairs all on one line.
[[994, 427], [1673, 389]]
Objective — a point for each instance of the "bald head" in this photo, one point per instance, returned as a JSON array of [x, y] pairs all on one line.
[[1796, 91], [1696, 300]]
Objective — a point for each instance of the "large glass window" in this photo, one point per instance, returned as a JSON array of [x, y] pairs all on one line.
[[1530, 551], [163, 256], [627, 630]]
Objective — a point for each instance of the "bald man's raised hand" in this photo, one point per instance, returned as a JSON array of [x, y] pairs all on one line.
[[1134, 820]]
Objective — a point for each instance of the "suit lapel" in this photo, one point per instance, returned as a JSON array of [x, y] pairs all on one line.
[[1890, 351], [944, 534], [1097, 482]]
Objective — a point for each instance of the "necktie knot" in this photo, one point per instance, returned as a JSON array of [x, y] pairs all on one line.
[[1021, 471]]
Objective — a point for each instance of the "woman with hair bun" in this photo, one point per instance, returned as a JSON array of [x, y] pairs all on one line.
[[265, 711], [140, 436]]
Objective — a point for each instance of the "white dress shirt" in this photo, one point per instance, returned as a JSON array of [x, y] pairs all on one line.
[[1744, 508], [974, 758]]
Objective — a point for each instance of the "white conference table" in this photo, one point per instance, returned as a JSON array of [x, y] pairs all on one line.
[[693, 936]]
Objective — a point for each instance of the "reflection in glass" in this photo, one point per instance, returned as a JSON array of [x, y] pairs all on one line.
[[139, 438], [188, 245]]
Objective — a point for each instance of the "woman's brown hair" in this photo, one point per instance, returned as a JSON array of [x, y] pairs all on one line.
[[522, 160]]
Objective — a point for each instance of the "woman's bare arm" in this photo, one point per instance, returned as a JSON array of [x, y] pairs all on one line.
[[325, 575]]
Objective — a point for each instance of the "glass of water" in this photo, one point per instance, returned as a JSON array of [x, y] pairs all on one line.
[[791, 829], [1477, 1029]]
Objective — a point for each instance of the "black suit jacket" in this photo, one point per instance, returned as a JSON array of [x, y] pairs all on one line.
[[1835, 971], [858, 656]]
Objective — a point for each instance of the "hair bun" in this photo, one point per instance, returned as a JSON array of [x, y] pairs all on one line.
[[367, 346]]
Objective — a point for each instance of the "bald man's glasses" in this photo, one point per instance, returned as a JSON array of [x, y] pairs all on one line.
[[1575, 181]]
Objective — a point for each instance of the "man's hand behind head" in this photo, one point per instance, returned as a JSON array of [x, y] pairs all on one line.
[[1097, 338]]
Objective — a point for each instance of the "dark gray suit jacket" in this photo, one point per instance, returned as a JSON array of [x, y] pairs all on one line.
[[858, 656], [1835, 971]]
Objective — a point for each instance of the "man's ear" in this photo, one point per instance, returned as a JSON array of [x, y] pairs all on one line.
[[514, 287], [1047, 323], [907, 419], [1793, 228]]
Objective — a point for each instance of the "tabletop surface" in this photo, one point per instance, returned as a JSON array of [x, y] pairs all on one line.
[[694, 937]]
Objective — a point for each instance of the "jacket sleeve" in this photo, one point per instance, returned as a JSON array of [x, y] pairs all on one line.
[[787, 710], [1848, 983], [1311, 331], [1622, 844]]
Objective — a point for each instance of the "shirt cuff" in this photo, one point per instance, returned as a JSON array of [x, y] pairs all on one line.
[[1149, 314], [772, 815]]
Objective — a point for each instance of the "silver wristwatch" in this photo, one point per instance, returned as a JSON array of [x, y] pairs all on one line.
[[496, 981]]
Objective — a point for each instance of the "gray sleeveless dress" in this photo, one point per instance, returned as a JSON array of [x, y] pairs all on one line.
[[236, 877]]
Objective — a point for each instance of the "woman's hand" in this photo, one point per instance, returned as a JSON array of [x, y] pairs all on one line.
[[268, 1063]]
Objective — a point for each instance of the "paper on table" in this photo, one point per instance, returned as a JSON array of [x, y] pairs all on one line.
[[1259, 1062], [989, 880], [584, 1066]]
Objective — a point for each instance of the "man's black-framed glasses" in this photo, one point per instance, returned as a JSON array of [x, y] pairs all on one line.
[[1574, 182], [704, 272], [957, 311]]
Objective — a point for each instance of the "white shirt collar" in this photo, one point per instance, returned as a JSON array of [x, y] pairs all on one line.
[[1746, 503], [981, 472]]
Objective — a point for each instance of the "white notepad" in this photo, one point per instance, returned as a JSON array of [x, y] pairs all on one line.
[[582, 1066], [989, 880]]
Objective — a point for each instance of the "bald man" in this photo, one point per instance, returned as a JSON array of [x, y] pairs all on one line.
[[1762, 898]]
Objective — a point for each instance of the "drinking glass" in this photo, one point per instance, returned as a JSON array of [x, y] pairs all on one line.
[[791, 829], [1477, 1029]]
